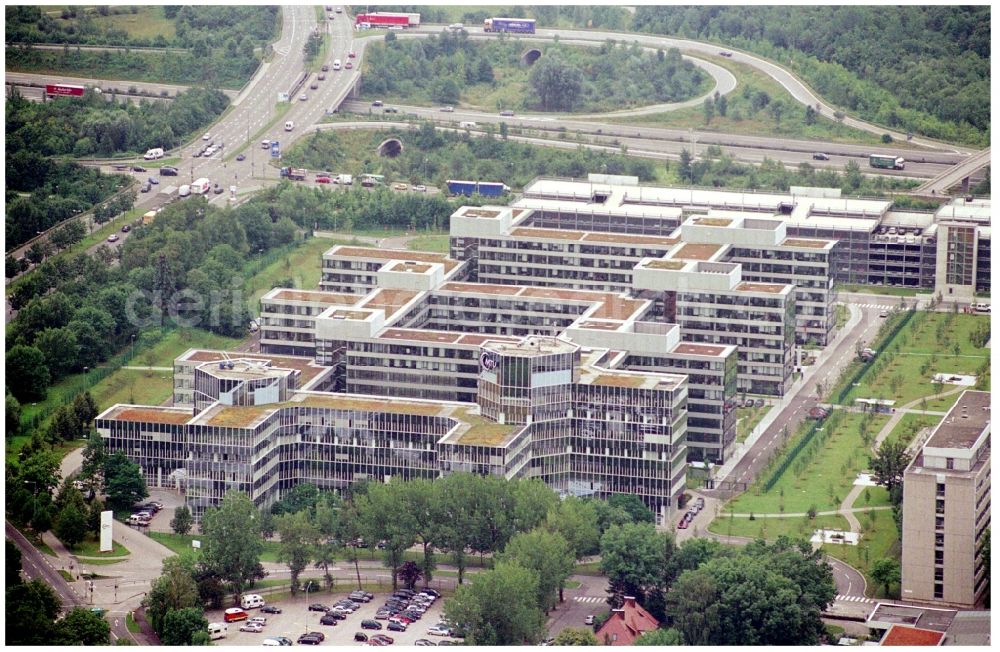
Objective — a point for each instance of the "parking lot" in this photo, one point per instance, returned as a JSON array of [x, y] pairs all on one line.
[[296, 619]]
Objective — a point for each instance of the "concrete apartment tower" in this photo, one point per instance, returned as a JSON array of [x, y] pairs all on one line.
[[946, 508]]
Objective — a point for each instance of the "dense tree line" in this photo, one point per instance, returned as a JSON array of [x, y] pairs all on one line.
[[919, 68], [224, 44], [446, 68], [185, 268], [433, 156], [710, 594], [91, 125], [32, 612]]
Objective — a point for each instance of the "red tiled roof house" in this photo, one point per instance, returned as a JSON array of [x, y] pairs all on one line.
[[626, 624]]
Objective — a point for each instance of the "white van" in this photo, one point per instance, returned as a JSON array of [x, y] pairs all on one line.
[[344, 179], [265, 144], [217, 631], [466, 125], [336, 64], [155, 153], [184, 190], [983, 307], [252, 601], [270, 642], [289, 125]]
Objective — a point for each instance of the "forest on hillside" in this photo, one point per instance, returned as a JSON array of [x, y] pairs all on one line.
[[920, 68]]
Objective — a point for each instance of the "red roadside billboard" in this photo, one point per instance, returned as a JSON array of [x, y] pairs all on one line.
[[64, 89]]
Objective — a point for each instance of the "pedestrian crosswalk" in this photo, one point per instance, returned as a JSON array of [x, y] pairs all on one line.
[[880, 306], [589, 599], [853, 598]]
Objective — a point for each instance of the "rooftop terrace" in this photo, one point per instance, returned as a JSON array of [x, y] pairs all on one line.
[[149, 414], [369, 253], [964, 423], [329, 298]]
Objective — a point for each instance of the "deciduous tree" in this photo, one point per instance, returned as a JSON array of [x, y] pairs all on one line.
[[181, 625], [889, 463], [173, 590], [123, 482], [886, 572], [549, 556], [299, 537], [498, 607], [82, 627], [575, 636], [182, 521], [231, 542]]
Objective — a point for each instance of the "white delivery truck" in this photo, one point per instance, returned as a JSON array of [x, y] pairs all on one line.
[[252, 601], [344, 179], [155, 153], [201, 186]]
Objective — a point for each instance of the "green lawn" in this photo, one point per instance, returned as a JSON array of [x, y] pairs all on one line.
[[92, 548], [772, 528], [930, 343], [877, 497], [147, 22], [747, 419], [101, 562], [301, 268], [130, 623], [181, 543], [824, 481], [882, 540], [66, 576], [176, 342], [910, 425], [435, 243]]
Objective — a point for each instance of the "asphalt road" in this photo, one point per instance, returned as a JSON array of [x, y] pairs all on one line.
[[795, 412], [18, 78], [35, 566]]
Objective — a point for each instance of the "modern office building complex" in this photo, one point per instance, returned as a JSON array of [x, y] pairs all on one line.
[[594, 335], [946, 508]]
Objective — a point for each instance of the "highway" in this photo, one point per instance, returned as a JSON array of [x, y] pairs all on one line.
[[35, 566], [20, 79]]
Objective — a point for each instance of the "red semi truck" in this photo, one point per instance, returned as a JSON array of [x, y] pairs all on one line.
[[385, 19]]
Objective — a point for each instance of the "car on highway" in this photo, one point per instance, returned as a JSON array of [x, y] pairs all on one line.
[[321, 76], [145, 187], [198, 153], [270, 609], [241, 157], [126, 228], [314, 85], [391, 109], [113, 237], [303, 97], [820, 156], [138, 168], [351, 55], [883, 314], [153, 181], [377, 103], [419, 188], [348, 65], [325, 68], [316, 606], [399, 186], [323, 180], [507, 113], [168, 171], [725, 53], [255, 628]]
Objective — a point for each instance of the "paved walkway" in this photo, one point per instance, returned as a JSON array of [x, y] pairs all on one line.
[[847, 508], [149, 368], [832, 512]]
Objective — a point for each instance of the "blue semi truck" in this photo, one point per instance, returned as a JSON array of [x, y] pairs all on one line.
[[484, 188], [510, 25]]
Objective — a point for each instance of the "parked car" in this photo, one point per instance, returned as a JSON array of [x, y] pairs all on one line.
[[758, 403], [432, 592], [217, 189], [306, 639], [683, 524], [419, 188], [241, 157], [138, 168], [282, 640], [206, 137], [316, 606], [361, 636], [361, 596], [320, 635], [256, 628], [589, 620], [303, 97], [384, 637], [423, 642], [331, 619], [325, 68], [145, 187], [396, 626], [700, 502], [168, 171], [270, 609], [439, 630], [370, 624]]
